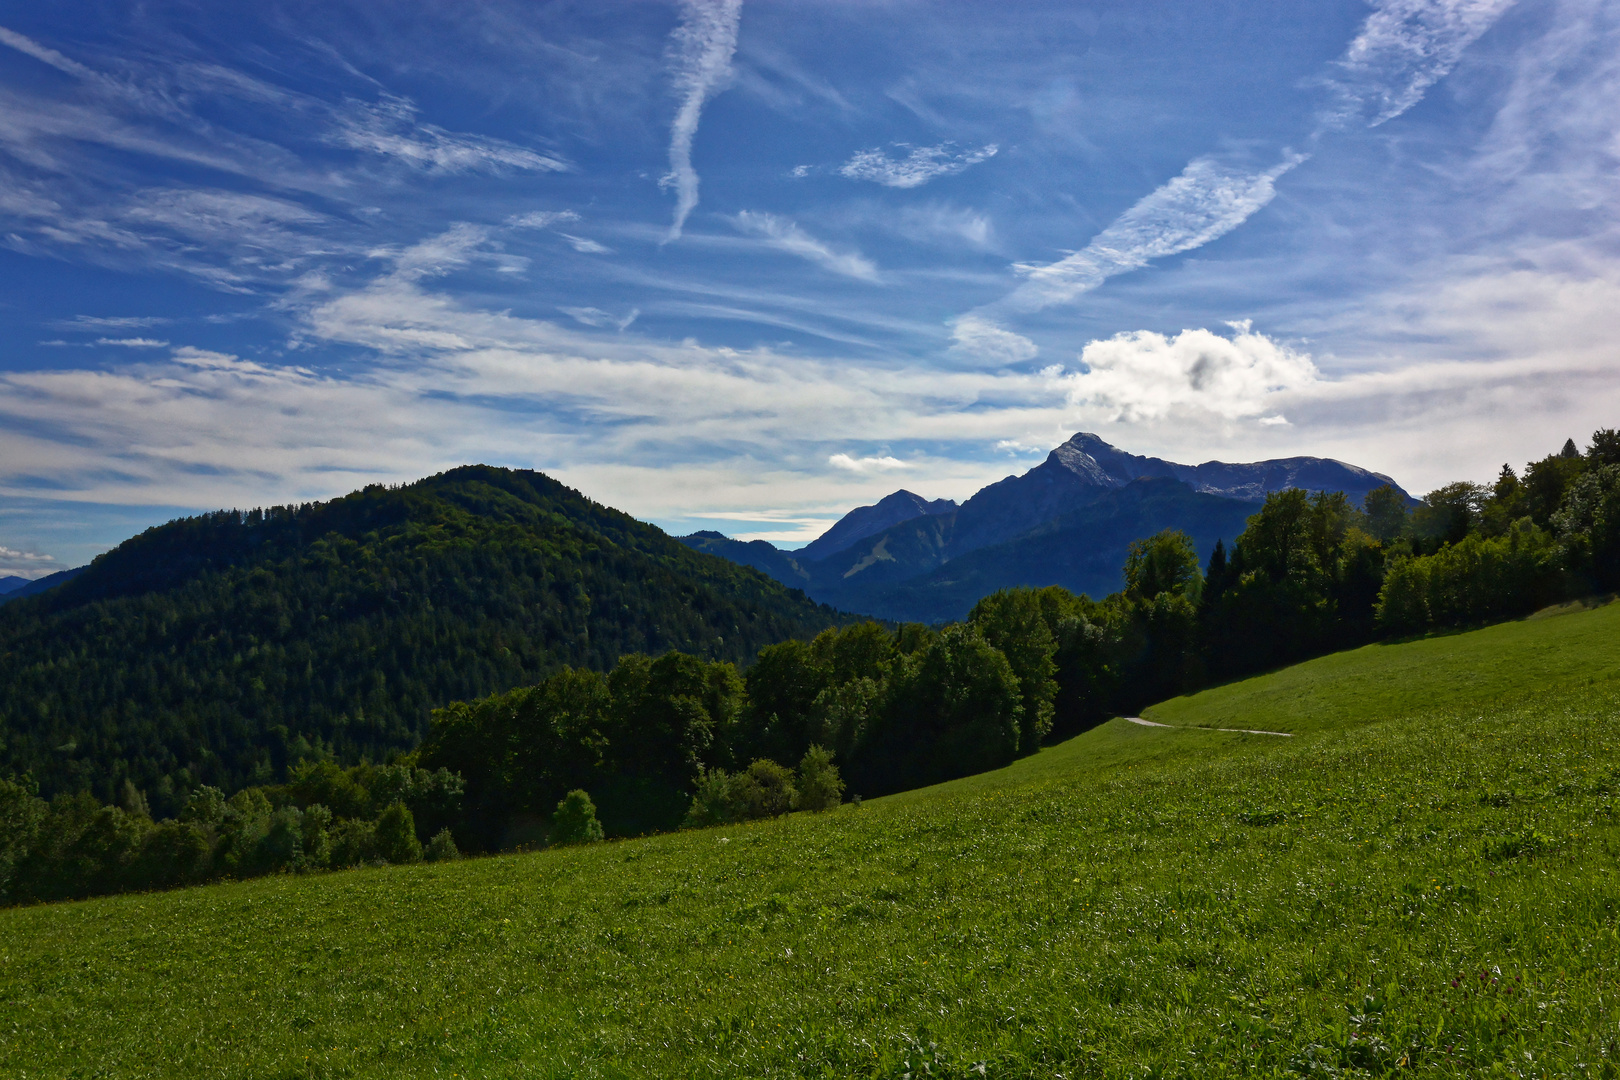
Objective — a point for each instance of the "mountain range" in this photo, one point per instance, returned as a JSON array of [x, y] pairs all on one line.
[[1069, 521]]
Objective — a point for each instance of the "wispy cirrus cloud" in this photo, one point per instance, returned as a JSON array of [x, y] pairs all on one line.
[[1208, 200], [922, 164], [134, 343], [585, 245], [240, 212], [541, 219], [595, 316], [389, 128], [700, 54], [976, 338], [1404, 48], [787, 236]]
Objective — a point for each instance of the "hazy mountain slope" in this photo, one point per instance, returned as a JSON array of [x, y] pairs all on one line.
[[761, 555], [1083, 550], [864, 521], [221, 644], [39, 585]]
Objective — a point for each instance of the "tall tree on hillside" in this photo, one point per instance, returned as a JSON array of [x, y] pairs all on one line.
[[1012, 622], [1385, 511], [952, 708], [1545, 482], [1303, 566], [1448, 514]]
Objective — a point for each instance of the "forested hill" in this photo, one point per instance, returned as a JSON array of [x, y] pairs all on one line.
[[214, 649]]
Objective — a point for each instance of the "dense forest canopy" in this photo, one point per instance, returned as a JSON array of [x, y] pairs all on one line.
[[220, 649]]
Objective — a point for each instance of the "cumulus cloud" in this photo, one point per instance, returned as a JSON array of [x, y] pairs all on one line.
[[1404, 47], [700, 58], [1207, 201], [977, 338], [922, 164], [881, 463], [785, 235], [1141, 375], [134, 343]]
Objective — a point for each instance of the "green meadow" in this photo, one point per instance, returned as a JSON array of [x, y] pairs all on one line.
[[1424, 880]]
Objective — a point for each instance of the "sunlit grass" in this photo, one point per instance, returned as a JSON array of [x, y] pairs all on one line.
[[1424, 881]]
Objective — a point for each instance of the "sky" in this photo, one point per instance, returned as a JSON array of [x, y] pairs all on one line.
[[746, 264]]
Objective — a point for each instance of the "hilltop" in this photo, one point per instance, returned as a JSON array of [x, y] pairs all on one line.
[[214, 649]]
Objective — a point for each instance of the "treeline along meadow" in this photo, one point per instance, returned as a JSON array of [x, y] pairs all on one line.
[[866, 709]]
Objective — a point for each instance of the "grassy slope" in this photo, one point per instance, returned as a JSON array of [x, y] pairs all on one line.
[[1136, 901], [1494, 665]]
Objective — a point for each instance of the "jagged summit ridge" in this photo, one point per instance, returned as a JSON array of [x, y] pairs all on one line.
[[1095, 461]]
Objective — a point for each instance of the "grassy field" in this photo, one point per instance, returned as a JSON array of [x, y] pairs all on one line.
[[1507, 662], [1425, 880]]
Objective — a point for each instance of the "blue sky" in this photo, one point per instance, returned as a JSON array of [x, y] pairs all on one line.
[[747, 265]]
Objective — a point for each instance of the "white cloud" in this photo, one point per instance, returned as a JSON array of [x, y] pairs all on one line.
[[700, 55], [865, 464], [945, 223], [676, 430], [595, 316], [541, 219], [585, 245], [979, 339], [134, 342], [923, 164], [111, 322], [389, 128], [1207, 201], [1142, 375], [45, 55], [27, 564], [785, 235], [1404, 47]]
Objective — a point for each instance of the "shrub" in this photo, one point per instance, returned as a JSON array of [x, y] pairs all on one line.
[[396, 835], [353, 842], [575, 821], [205, 806], [820, 786], [764, 789], [711, 803], [442, 848]]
